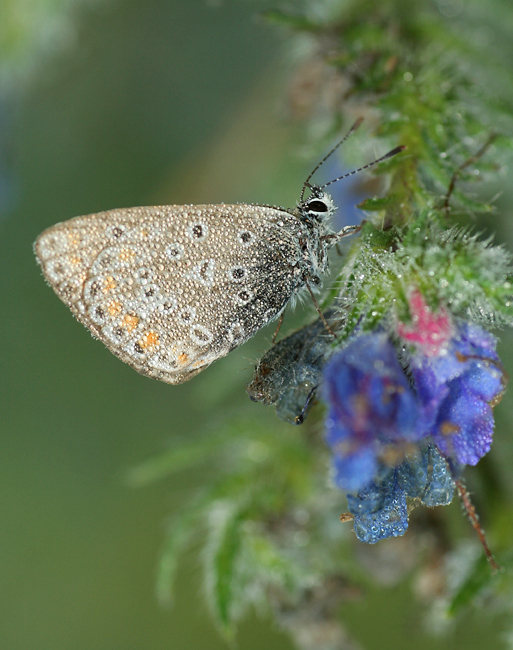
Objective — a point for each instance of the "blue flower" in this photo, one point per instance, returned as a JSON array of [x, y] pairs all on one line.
[[457, 391], [371, 407]]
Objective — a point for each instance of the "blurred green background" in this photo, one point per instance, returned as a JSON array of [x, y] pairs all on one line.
[[117, 104]]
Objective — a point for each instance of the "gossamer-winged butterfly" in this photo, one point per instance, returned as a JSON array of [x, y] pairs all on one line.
[[170, 289]]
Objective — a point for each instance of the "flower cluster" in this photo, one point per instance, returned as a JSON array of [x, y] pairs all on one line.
[[426, 390]]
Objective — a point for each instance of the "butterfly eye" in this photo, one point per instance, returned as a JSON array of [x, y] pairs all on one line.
[[317, 206]]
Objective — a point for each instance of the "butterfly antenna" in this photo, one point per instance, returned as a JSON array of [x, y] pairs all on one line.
[[350, 132], [360, 169]]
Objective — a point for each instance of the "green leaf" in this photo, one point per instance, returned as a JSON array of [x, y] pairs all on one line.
[[178, 534], [221, 555], [374, 205], [268, 561]]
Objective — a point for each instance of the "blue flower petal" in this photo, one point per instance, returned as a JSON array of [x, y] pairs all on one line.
[[464, 427], [371, 406], [380, 510], [355, 470], [455, 391], [427, 477]]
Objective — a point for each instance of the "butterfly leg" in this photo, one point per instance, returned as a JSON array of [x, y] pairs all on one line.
[[280, 321], [345, 232], [328, 328]]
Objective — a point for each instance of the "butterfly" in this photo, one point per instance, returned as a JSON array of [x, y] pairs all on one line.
[[170, 289]]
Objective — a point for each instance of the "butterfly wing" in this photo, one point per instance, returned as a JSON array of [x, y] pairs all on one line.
[[171, 289]]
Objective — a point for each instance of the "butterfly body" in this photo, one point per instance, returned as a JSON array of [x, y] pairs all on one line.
[[170, 289]]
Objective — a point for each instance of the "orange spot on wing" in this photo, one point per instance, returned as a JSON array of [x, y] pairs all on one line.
[[110, 284], [182, 359], [130, 322], [149, 340], [114, 307]]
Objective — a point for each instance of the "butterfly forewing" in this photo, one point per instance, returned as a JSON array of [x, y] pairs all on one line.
[[171, 289]]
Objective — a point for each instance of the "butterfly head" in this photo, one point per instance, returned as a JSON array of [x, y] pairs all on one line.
[[318, 207]]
